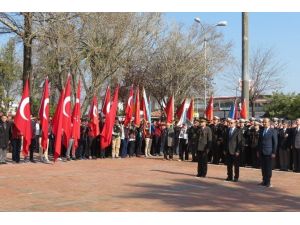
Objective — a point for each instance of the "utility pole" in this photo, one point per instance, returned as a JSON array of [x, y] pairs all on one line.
[[245, 61]]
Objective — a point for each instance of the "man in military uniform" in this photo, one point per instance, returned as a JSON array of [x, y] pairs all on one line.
[[193, 134], [204, 144], [253, 143], [217, 140], [284, 142], [244, 145]]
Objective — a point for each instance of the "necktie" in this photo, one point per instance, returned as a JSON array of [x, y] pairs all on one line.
[[265, 131]]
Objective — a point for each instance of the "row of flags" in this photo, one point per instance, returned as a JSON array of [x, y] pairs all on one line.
[[67, 125], [233, 113]]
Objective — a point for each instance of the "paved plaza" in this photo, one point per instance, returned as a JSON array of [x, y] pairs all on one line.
[[141, 184]]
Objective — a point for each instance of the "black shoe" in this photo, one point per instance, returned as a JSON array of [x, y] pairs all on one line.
[[73, 158], [198, 175], [235, 179], [262, 184], [32, 160], [269, 185], [228, 179]]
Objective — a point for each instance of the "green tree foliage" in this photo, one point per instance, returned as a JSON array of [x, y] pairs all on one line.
[[284, 106], [10, 73]]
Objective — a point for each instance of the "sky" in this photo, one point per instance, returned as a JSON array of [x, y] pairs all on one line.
[[279, 31]]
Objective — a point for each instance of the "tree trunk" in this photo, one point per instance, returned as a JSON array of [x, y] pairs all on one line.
[[27, 48]]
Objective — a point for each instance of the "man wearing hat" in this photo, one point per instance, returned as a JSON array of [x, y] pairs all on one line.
[[193, 135], [244, 153], [284, 142], [217, 140], [204, 144], [253, 144], [232, 151]]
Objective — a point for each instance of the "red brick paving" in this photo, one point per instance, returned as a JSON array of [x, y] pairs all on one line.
[[140, 184]]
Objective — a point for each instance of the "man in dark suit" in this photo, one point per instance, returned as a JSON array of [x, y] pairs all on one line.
[[296, 146], [204, 145], [284, 146], [4, 138], [232, 151], [267, 146]]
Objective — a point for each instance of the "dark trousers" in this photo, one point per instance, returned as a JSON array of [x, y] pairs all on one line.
[[124, 144], [138, 147], [156, 145], [233, 160], [202, 163], [168, 151], [192, 147], [242, 156], [266, 168], [255, 161], [131, 148], [32, 147], [183, 149], [82, 148], [51, 145], [296, 159], [284, 158], [216, 153], [16, 147]]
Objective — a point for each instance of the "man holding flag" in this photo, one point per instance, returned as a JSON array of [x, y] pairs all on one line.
[[22, 120]]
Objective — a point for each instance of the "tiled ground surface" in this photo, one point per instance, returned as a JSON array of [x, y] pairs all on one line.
[[140, 184]]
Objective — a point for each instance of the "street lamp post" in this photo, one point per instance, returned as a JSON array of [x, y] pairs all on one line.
[[222, 23]]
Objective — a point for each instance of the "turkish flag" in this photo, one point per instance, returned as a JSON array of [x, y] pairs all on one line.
[[236, 110], [129, 107], [244, 112], [190, 112], [209, 112], [137, 116], [66, 122], [44, 115], [180, 109], [170, 110], [106, 134], [22, 119], [106, 103], [94, 119], [57, 125], [76, 118]]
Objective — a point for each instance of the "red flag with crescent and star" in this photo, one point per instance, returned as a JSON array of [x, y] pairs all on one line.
[[76, 118], [66, 121], [94, 119], [57, 125], [106, 103], [44, 115], [129, 107], [22, 119]]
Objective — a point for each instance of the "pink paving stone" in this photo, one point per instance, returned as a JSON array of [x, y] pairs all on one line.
[[140, 184]]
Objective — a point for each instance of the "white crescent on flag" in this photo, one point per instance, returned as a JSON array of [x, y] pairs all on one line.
[[129, 100], [46, 102], [108, 107], [95, 111], [77, 100], [22, 107], [67, 99]]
